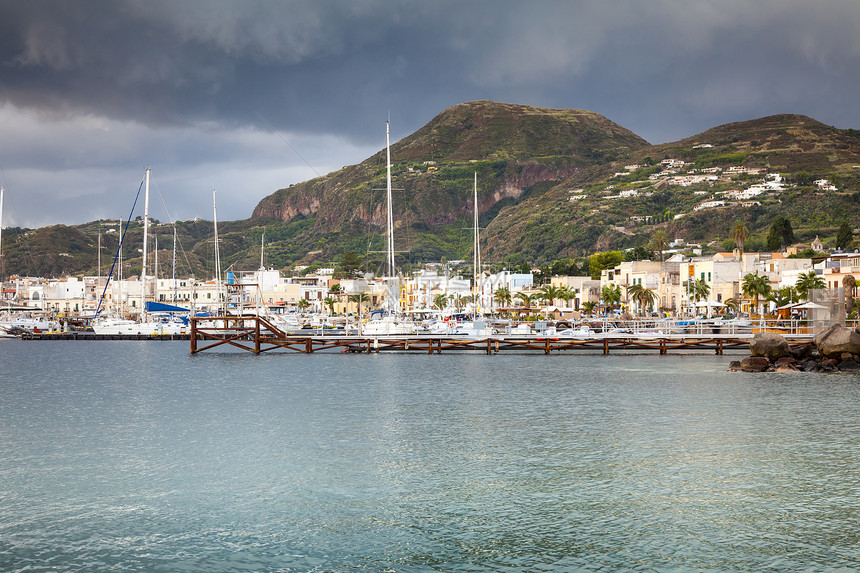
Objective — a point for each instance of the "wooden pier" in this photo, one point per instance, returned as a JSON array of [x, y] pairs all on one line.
[[257, 335], [86, 335]]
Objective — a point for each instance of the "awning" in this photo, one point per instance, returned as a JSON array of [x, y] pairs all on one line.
[[161, 307]]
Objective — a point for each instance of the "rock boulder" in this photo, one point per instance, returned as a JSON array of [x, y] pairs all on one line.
[[755, 364], [837, 340], [769, 345]]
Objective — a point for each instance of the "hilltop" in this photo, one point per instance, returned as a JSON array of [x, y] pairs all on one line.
[[512, 148], [553, 184]]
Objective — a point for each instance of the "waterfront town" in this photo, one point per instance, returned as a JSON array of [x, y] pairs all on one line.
[[680, 286]]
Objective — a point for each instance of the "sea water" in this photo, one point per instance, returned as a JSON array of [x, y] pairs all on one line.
[[137, 456]]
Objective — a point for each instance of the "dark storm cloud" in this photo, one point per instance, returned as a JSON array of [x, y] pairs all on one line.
[[98, 88]]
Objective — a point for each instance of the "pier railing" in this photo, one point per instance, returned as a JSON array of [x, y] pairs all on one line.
[[257, 334]]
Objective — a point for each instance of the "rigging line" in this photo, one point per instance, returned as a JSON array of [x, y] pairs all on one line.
[[184, 253], [285, 141], [119, 246], [161, 198]]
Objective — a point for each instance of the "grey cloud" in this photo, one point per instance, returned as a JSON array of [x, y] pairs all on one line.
[[171, 81]]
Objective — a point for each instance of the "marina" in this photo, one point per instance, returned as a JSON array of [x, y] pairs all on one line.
[[259, 335]]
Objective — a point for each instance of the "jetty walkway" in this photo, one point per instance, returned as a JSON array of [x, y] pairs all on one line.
[[257, 335]]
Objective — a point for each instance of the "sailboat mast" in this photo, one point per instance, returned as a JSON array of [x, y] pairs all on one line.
[[155, 270], [476, 256], [174, 264], [119, 258], [262, 239], [217, 252], [390, 226], [145, 240]]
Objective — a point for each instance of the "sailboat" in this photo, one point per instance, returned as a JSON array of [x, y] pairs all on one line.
[[388, 323], [476, 327], [161, 321]]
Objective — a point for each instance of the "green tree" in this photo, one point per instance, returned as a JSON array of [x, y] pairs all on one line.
[[780, 235], [329, 302], [349, 266], [642, 296], [802, 179], [588, 307], [808, 281], [755, 286], [782, 297], [358, 300], [844, 236], [740, 233], [502, 296], [732, 303], [606, 260], [638, 253], [440, 301], [699, 289], [611, 295], [549, 293], [527, 299], [303, 304], [566, 294], [659, 242]]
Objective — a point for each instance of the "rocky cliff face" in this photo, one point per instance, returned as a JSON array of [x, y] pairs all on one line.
[[511, 147]]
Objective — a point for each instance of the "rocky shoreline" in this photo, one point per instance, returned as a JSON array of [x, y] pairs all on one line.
[[837, 349]]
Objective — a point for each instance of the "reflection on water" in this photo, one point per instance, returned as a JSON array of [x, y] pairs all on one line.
[[137, 456]]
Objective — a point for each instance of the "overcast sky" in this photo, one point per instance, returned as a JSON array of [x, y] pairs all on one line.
[[250, 96]]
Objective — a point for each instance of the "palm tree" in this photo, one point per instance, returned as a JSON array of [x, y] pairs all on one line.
[[808, 281], [782, 297], [549, 293], [642, 296], [588, 307], [754, 286], [849, 283], [303, 304], [566, 294], [732, 303], [659, 242], [329, 302], [502, 296], [357, 299], [440, 301], [611, 295], [527, 299], [646, 299], [739, 235], [630, 292], [699, 289]]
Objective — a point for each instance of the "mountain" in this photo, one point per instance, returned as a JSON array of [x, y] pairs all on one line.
[[553, 184], [512, 148], [586, 213]]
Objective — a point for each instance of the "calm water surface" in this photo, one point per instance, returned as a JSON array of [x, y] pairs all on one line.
[[136, 456]]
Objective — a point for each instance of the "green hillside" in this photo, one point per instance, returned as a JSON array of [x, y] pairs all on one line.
[[552, 184]]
